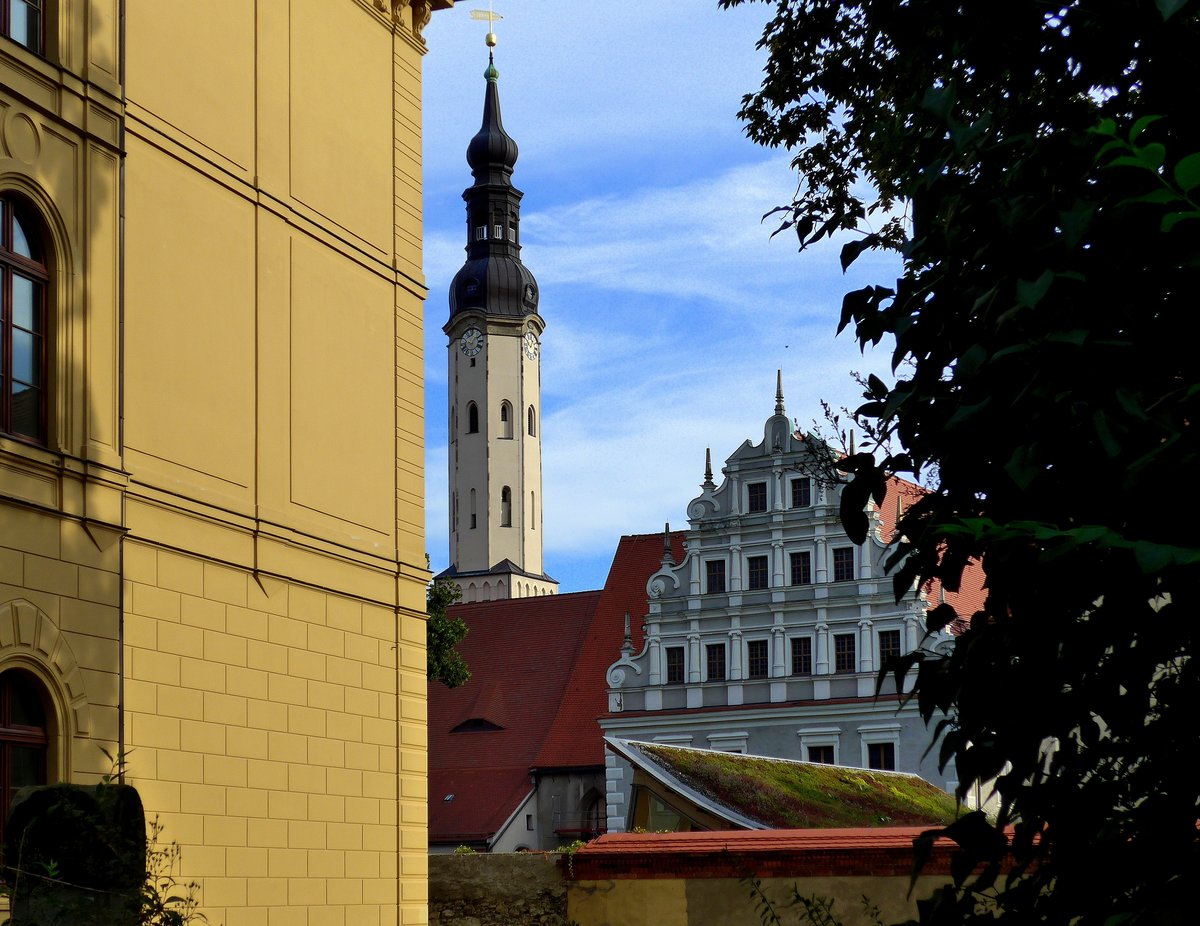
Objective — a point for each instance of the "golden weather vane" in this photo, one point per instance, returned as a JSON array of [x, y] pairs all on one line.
[[489, 17]]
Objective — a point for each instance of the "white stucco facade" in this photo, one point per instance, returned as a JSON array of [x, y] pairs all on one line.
[[768, 636]]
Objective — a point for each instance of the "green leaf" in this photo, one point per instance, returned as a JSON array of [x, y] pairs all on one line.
[[852, 249], [1029, 294], [1187, 172], [1141, 125], [1170, 221], [1169, 8]]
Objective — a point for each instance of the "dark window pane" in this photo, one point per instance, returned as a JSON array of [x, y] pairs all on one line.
[[801, 656], [715, 655], [756, 651], [25, 359], [20, 243], [715, 576], [801, 568], [821, 754], [843, 564], [801, 492], [674, 665], [26, 411], [881, 756], [28, 766], [24, 302], [889, 644], [758, 574], [24, 706], [843, 653], [758, 496]]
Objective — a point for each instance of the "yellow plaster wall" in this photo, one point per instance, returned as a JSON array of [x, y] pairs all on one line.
[[262, 716], [231, 502], [728, 901]]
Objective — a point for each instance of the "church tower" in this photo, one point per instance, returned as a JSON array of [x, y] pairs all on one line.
[[494, 353]]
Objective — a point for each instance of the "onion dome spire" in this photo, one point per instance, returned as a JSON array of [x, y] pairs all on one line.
[[492, 153], [493, 279]]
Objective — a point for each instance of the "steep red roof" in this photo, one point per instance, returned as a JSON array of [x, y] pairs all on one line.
[[521, 653], [971, 593], [574, 739]]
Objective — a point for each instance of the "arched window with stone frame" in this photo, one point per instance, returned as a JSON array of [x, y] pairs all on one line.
[[24, 281]]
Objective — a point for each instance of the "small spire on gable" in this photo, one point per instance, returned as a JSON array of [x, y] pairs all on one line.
[[708, 484], [627, 644], [667, 559], [779, 392], [852, 450]]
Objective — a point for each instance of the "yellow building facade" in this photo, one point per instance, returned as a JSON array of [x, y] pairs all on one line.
[[212, 551]]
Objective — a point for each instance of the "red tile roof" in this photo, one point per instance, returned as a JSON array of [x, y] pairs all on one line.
[[575, 740], [521, 653], [538, 668], [969, 597], [885, 852]]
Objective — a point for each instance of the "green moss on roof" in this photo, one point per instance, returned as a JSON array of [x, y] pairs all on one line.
[[804, 795]]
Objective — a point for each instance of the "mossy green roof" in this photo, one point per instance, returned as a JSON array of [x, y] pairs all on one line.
[[783, 794]]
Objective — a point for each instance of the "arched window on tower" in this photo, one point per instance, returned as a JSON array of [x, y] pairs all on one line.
[[24, 735], [531, 419], [506, 420], [506, 507], [472, 418], [473, 520], [23, 285]]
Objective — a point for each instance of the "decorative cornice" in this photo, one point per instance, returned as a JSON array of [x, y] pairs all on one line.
[[412, 16]]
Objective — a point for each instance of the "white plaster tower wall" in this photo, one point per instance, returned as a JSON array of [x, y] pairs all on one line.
[[494, 364]]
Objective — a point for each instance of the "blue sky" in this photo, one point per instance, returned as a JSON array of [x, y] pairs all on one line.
[[668, 308]]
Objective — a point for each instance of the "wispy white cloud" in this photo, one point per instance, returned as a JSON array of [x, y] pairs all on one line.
[[668, 306]]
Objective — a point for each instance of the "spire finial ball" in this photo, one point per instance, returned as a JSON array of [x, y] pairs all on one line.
[[490, 39]]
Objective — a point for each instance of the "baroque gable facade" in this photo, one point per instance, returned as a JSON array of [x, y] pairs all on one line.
[[766, 638]]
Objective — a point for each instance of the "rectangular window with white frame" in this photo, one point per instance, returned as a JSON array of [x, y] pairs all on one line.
[[758, 658], [714, 576], [843, 564], [844, 655], [889, 646], [801, 492], [714, 658], [800, 562], [675, 665], [820, 744], [756, 497], [880, 746], [802, 655], [758, 572]]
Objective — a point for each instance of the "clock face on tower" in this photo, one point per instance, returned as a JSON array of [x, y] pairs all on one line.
[[471, 342], [531, 345]]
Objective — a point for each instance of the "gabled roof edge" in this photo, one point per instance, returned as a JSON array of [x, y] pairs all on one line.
[[657, 772]]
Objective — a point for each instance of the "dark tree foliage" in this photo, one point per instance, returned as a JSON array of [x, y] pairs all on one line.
[[442, 634], [1048, 159]]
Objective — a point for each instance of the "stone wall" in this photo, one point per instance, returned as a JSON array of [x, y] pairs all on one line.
[[517, 889]]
